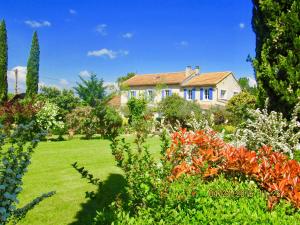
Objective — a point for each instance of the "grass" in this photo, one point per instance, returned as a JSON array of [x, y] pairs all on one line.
[[51, 170]]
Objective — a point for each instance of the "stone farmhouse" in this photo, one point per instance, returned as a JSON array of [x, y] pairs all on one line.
[[206, 89]]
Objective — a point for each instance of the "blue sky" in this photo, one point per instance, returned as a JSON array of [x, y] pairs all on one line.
[[112, 38]]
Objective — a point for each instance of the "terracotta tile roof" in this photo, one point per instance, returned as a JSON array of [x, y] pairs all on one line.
[[207, 79], [158, 78], [115, 102]]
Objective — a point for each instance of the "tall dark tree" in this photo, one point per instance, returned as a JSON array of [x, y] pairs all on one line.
[[91, 90], [3, 62], [277, 62], [32, 78]]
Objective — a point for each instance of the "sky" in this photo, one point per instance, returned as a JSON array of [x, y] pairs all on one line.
[[112, 38]]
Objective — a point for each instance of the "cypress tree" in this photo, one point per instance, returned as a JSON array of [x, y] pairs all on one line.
[[3, 62], [32, 77], [277, 62]]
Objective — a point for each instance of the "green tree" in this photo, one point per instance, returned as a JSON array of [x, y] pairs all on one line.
[[120, 80], [277, 61], [3, 62], [244, 83], [65, 99], [91, 90], [32, 78]]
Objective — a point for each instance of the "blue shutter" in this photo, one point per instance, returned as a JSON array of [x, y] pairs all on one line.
[[210, 94], [184, 93], [201, 93], [193, 93], [162, 93], [134, 93], [128, 94], [170, 90]]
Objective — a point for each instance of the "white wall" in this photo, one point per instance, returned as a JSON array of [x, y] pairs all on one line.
[[157, 92], [230, 85]]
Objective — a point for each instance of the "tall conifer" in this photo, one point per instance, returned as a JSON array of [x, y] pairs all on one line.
[[277, 62], [3, 62], [32, 77]]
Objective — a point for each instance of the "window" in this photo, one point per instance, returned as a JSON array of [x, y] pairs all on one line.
[[223, 94], [132, 94], [190, 94], [150, 95], [168, 93], [206, 94]]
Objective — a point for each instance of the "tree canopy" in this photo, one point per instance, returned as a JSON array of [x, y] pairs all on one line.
[[277, 62], [91, 90]]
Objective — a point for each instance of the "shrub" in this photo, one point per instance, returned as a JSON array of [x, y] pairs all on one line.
[[18, 112], [150, 198], [139, 120], [64, 99], [48, 117], [270, 129], [203, 153], [175, 109], [16, 148], [238, 107], [109, 121], [191, 201], [220, 115], [83, 121]]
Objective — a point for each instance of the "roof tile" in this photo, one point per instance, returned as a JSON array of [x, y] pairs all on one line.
[[158, 78], [207, 79]]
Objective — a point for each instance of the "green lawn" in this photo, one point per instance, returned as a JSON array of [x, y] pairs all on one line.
[[51, 170]]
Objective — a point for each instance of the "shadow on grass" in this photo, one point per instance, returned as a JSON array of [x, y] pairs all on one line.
[[91, 138], [114, 185]]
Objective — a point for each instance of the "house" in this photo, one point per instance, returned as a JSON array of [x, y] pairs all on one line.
[[207, 89]]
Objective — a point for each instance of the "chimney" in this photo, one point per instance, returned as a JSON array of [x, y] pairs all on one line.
[[188, 71], [197, 70]]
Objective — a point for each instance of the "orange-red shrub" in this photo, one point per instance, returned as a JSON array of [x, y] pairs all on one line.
[[202, 152]]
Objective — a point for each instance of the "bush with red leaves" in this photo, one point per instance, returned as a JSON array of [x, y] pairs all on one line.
[[18, 112], [203, 152]]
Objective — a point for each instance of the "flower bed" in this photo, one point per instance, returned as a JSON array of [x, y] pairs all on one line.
[[203, 152]]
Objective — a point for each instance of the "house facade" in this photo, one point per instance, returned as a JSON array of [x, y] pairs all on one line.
[[207, 89]]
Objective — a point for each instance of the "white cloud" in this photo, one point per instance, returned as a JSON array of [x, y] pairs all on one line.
[[72, 11], [37, 24], [84, 74], [252, 82], [101, 29], [127, 35], [242, 25], [104, 52], [22, 71]]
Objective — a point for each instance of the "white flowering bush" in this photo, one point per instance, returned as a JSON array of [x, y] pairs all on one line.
[[16, 148], [48, 117], [270, 129]]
